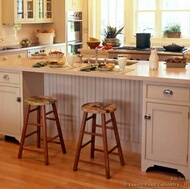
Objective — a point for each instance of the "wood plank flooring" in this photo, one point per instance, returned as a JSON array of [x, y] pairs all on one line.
[[31, 173]]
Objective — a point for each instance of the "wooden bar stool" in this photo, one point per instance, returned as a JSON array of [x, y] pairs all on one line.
[[95, 108], [39, 103]]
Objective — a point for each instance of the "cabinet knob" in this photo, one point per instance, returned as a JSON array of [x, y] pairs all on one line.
[[18, 99], [6, 76], [168, 92], [4, 58], [19, 56], [147, 116]]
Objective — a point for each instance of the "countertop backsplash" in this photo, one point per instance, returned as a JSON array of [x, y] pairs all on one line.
[[13, 34]]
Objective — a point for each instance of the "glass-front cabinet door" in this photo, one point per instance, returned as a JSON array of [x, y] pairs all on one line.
[[25, 11], [45, 10]]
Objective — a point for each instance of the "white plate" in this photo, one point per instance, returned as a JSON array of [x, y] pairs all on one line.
[[55, 66]]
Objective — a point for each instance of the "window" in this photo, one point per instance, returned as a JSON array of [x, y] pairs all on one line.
[[153, 16], [103, 13], [150, 16], [112, 13]]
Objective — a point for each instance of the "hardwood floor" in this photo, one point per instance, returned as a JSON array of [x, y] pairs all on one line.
[[31, 173]]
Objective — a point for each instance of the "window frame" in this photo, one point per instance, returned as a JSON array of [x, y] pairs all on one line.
[[130, 23]]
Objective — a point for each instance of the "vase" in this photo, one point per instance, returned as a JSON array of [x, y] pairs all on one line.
[[153, 60], [114, 42]]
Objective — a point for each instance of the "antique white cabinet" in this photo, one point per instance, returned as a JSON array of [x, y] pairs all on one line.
[[15, 86], [27, 11], [18, 11], [10, 103], [44, 11], [165, 129]]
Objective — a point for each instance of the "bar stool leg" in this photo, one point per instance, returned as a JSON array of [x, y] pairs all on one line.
[[105, 146], [93, 136], [44, 130], [24, 131], [38, 127], [59, 128], [81, 135], [122, 162]]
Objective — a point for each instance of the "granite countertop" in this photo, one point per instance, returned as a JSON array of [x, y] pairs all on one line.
[[138, 71]]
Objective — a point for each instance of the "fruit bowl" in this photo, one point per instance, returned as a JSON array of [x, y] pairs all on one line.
[[93, 44], [56, 54], [25, 42]]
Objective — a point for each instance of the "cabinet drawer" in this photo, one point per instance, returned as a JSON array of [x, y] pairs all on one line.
[[168, 93], [9, 77]]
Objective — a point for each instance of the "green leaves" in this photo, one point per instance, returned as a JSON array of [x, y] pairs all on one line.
[[112, 32]]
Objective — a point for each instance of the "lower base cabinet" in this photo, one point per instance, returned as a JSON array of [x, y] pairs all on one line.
[[10, 111], [15, 86], [165, 139]]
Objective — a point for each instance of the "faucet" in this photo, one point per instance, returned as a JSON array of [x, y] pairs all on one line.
[[80, 56], [96, 56]]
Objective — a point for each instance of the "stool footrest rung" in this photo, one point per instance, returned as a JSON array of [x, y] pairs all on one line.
[[111, 150], [50, 112], [90, 162], [29, 134], [32, 110], [49, 118], [108, 121], [85, 144], [89, 117], [34, 124], [32, 150], [90, 133], [53, 138], [107, 127]]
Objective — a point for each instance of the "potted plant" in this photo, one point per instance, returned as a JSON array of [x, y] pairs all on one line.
[[172, 31], [110, 34]]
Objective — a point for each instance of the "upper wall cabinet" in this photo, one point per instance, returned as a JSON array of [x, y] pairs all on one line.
[[74, 4], [26, 11], [44, 11], [18, 11]]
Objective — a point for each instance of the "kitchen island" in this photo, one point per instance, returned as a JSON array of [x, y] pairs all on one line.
[[138, 93]]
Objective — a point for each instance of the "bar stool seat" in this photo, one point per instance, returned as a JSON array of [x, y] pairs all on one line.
[[103, 109], [37, 104]]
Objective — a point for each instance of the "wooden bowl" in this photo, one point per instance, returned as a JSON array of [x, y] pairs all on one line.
[[93, 44]]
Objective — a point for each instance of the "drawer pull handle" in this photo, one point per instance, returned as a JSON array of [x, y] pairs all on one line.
[[6, 76], [168, 92]]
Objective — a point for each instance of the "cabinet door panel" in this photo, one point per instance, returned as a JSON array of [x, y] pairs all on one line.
[[44, 11], [10, 111], [167, 133]]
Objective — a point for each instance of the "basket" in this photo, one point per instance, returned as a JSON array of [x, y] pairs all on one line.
[[45, 38]]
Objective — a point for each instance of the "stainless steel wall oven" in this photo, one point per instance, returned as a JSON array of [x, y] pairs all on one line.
[[74, 31]]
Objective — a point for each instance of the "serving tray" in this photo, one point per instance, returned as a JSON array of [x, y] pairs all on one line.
[[175, 65]]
